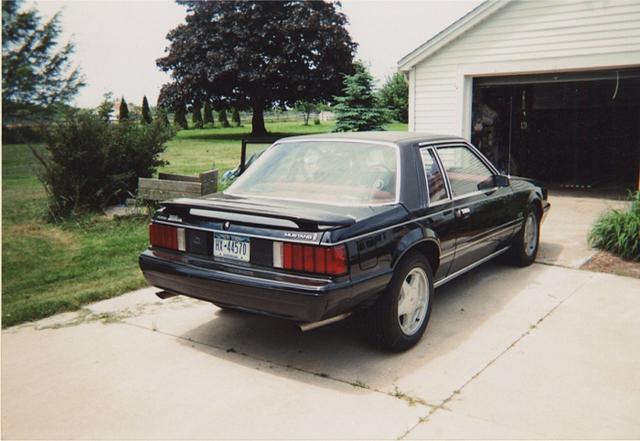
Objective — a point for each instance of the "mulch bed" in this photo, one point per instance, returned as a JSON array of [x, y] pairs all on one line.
[[605, 262]]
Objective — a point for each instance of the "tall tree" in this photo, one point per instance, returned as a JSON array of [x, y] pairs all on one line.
[[260, 54], [123, 111], [208, 113], [394, 96], [36, 74], [146, 111], [357, 110]]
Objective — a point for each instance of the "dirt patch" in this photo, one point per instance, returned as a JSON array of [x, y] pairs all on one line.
[[36, 230], [605, 262]]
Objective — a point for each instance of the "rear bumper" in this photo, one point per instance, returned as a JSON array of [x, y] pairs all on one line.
[[290, 297]]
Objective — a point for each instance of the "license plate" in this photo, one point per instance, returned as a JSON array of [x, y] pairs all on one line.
[[232, 247]]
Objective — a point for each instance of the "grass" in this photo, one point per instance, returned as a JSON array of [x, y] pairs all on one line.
[[50, 268]]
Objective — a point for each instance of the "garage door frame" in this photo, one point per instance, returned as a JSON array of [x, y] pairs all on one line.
[[467, 72]]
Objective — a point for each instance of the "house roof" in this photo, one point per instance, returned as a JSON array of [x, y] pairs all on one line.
[[450, 33]]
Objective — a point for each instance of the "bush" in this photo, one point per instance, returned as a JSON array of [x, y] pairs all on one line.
[[20, 134], [89, 163], [618, 231], [316, 122]]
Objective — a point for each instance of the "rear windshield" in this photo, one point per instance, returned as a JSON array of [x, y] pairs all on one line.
[[329, 172]]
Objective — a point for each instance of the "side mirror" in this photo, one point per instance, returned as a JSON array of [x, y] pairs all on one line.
[[501, 180]]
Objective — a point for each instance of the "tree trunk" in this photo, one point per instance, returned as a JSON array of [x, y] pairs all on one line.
[[257, 121]]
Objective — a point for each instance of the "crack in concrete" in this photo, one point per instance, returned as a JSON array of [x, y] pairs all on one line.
[[444, 402], [397, 394]]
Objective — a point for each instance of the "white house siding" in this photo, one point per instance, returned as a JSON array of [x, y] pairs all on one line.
[[522, 37]]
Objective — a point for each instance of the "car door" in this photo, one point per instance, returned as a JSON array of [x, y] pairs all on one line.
[[483, 219], [439, 209]]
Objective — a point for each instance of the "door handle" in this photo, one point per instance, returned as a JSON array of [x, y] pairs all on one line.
[[463, 212]]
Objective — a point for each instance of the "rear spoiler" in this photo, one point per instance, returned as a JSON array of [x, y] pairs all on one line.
[[253, 211]]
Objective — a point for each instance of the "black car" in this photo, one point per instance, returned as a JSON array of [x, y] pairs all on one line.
[[321, 226]]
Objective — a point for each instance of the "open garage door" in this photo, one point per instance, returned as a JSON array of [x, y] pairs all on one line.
[[571, 130]]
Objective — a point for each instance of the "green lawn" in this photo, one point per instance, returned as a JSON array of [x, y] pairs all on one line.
[[49, 268]]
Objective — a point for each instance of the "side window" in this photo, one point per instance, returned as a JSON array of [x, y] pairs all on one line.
[[464, 169], [435, 180]]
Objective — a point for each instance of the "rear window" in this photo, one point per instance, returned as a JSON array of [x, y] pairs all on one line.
[[329, 172]]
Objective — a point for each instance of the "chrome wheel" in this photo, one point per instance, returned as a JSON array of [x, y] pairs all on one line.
[[530, 236], [413, 301]]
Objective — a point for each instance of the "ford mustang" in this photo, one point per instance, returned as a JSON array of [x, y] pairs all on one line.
[[322, 226]]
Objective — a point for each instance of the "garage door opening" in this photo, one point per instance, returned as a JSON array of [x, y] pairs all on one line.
[[570, 130]]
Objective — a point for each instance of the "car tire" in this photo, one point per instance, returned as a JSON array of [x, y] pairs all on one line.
[[388, 327], [524, 246]]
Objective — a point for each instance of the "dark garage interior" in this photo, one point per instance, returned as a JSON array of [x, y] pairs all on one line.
[[577, 130]]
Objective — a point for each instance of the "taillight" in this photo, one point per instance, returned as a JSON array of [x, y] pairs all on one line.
[[166, 236], [331, 261]]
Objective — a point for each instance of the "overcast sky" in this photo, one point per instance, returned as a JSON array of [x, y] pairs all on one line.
[[117, 42]]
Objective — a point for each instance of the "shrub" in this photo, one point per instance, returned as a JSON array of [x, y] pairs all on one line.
[[20, 134], [89, 163], [618, 231], [316, 122]]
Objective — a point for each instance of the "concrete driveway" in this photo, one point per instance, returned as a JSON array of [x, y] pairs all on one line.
[[540, 352], [563, 239]]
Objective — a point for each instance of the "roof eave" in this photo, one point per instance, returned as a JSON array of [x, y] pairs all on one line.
[[450, 33]]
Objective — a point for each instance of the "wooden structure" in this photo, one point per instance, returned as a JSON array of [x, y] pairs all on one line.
[[169, 186]]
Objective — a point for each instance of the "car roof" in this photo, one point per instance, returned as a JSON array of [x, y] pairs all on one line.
[[400, 138]]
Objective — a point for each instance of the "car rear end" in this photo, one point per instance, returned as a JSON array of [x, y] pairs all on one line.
[[273, 264]]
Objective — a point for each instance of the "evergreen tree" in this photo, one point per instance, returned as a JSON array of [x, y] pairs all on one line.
[[146, 112], [196, 116], [180, 118], [123, 114], [36, 71], [235, 117], [222, 117], [394, 96], [357, 110], [208, 113]]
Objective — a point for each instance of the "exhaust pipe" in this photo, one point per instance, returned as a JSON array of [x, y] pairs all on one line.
[[304, 327], [166, 294]]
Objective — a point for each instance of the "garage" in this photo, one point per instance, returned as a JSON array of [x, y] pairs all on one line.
[[546, 89], [577, 130]]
